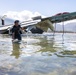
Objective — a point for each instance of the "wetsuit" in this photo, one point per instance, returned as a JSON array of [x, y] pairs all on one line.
[[17, 32]]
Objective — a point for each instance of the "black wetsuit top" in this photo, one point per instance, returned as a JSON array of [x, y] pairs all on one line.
[[17, 32], [16, 29]]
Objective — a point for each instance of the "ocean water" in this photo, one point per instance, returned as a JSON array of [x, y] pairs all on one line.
[[39, 55]]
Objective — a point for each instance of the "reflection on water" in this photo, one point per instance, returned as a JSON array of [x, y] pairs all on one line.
[[47, 45], [16, 50], [38, 55]]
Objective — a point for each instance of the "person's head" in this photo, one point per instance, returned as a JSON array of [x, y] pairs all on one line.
[[16, 22]]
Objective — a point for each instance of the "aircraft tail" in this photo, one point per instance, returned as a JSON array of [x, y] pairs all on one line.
[[44, 25]]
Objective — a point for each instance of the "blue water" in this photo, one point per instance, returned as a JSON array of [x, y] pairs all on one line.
[[38, 55]]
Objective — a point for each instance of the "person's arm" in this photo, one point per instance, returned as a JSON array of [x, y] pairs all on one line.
[[20, 28], [13, 33]]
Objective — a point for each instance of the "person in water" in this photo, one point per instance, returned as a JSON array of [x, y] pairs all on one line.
[[16, 31]]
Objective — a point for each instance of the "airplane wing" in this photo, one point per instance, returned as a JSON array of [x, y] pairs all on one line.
[[61, 17]]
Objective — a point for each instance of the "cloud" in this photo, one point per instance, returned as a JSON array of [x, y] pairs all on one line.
[[22, 15]]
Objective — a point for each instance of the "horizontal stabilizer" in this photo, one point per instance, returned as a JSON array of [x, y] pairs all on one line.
[[44, 25]]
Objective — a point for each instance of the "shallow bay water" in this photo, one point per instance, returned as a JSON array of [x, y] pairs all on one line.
[[39, 55]]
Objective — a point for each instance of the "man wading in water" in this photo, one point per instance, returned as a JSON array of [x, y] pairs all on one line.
[[16, 31]]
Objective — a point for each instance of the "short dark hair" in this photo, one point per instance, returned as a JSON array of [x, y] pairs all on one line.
[[16, 21]]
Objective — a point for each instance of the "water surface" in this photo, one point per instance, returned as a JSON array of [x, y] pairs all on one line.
[[38, 55]]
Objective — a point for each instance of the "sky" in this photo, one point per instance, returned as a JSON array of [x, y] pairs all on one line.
[[29, 8]]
